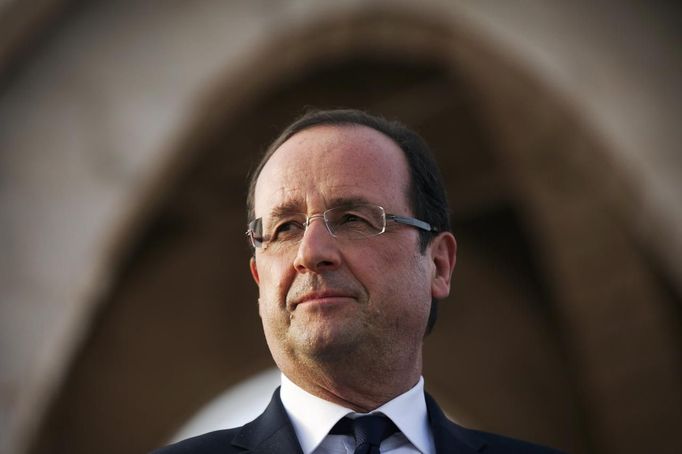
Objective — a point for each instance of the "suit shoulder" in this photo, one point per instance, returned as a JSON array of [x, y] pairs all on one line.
[[499, 444], [448, 433], [208, 443]]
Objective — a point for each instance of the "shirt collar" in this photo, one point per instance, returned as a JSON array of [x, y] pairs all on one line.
[[313, 417]]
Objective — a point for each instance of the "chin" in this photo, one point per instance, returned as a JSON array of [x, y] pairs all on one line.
[[328, 345]]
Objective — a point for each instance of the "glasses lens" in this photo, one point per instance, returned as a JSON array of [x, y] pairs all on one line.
[[356, 222], [256, 232]]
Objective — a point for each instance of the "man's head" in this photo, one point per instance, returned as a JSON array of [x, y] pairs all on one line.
[[323, 298], [425, 189]]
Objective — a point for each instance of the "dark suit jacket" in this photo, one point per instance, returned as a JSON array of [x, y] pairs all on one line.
[[272, 432]]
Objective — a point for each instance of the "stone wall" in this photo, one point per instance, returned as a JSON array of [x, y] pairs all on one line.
[[97, 116]]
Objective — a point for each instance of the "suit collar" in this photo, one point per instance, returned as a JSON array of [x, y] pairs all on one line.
[[270, 432], [448, 436]]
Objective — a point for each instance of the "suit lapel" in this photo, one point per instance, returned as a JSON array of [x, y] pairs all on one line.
[[270, 432], [448, 436]]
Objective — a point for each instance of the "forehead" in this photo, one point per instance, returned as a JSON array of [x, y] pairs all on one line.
[[324, 163]]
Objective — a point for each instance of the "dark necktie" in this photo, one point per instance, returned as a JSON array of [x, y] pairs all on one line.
[[369, 431]]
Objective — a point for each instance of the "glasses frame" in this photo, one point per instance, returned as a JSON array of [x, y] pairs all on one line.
[[405, 220]]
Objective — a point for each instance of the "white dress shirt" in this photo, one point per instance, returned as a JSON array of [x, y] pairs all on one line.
[[313, 418]]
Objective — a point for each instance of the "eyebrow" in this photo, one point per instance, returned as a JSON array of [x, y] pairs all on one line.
[[293, 207], [285, 208]]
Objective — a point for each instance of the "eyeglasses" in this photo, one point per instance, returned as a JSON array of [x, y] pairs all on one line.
[[354, 222]]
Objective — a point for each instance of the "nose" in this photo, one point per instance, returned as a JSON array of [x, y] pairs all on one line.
[[318, 250]]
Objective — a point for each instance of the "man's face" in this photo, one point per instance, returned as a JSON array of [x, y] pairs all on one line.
[[327, 297]]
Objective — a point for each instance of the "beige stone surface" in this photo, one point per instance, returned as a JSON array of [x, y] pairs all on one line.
[[91, 116]]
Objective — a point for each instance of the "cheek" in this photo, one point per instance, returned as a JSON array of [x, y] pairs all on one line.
[[272, 299], [406, 274], [275, 279], [395, 268]]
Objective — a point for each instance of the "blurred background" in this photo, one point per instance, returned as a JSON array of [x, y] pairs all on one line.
[[127, 131]]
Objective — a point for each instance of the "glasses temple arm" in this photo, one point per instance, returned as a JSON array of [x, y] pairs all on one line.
[[412, 221]]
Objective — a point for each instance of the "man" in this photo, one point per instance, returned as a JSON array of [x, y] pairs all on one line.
[[352, 251]]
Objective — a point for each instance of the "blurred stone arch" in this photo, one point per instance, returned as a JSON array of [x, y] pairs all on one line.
[[549, 254]]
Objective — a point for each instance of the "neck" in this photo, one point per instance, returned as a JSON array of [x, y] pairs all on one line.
[[360, 386]]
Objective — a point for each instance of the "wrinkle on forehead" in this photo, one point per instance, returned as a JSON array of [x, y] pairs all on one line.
[[319, 164], [298, 206]]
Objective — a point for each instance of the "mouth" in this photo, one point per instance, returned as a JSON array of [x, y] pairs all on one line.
[[324, 297]]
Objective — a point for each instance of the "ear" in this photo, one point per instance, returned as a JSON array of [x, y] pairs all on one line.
[[254, 270], [444, 255]]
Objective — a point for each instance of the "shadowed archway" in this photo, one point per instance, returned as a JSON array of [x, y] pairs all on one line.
[[517, 348]]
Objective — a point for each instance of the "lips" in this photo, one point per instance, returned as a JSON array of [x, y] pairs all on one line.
[[320, 297]]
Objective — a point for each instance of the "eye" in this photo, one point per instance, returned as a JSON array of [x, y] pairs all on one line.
[[351, 217], [353, 221], [287, 230]]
